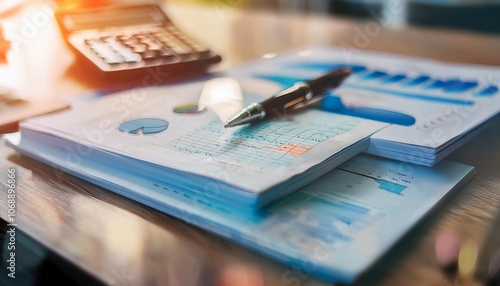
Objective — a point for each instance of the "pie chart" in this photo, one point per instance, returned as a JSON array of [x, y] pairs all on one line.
[[145, 125]]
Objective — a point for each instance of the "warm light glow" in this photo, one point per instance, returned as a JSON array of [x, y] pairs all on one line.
[[223, 96], [305, 53], [269, 56], [79, 4], [467, 259]]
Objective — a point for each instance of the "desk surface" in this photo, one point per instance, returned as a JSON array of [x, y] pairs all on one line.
[[124, 243]]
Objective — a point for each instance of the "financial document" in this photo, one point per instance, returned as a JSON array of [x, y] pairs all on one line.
[[339, 225], [432, 106], [270, 144], [157, 126], [333, 228], [157, 146]]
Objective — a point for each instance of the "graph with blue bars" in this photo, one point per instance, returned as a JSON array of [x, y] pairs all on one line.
[[303, 218], [421, 87], [425, 83], [410, 92], [388, 180]]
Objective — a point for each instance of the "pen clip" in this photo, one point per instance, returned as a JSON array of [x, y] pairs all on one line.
[[292, 106], [305, 96]]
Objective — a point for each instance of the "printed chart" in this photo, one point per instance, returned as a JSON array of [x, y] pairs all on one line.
[[274, 143], [389, 180], [334, 209], [315, 219], [145, 125]]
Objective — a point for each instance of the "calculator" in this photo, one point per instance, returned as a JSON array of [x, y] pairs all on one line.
[[131, 39]]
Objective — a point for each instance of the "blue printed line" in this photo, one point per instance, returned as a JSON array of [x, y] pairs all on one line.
[[286, 81], [394, 79], [417, 81], [411, 95], [450, 86], [489, 91]]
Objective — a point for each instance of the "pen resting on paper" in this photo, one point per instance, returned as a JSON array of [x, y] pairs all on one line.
[[300, 94]]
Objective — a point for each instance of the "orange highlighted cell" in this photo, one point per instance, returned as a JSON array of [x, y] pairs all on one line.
[[293, 149]]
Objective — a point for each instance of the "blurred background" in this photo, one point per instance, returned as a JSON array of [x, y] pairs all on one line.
[[476, 15]]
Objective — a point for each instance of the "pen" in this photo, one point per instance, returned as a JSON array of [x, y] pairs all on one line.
[[300, 94]]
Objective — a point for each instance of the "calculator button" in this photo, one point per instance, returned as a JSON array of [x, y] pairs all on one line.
[[180, 49], [194, 46], [118, 46], [139, 48], [139, 36], [113, 43], [166, 52], [132, 57], [155, 46], [123, 53], [147, 40], [105, 52], [113, 59], [199, 49], [152, 47], [129, 41], [149, 54], [173, 30], [176, 45], [122, 37], [89, 42], [103, 39]]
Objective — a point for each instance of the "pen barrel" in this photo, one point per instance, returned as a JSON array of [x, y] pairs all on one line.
[[279, 104], [328, 81], [285, 101]]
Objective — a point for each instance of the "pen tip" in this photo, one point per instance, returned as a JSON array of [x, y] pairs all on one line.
[[227, 124]]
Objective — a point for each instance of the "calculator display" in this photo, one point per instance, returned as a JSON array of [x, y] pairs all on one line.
[[105, 18]]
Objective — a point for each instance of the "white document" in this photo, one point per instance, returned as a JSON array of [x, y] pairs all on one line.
[[154, 130], [432, 106], [334, 228], [153, 146]]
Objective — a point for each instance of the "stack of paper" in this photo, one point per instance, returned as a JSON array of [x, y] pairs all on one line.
[[159, 146], [156, 133], [333, 228]]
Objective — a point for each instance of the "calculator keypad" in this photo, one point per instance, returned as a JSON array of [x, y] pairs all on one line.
[[163, 45]]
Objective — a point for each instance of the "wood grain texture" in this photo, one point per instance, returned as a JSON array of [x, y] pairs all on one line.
[[125, 243]]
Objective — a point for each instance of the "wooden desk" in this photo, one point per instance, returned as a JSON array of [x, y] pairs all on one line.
[[121, 242]]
